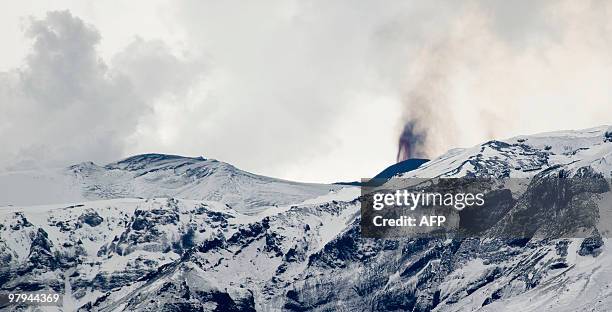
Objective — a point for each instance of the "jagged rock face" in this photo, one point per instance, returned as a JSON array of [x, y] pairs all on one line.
[[555, 204], [307, 253], [40, 256], [420, 275]]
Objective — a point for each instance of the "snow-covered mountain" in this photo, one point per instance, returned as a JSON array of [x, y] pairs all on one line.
[[169, 233], [155, 175], [525, 156]]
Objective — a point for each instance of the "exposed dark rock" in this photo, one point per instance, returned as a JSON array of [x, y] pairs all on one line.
[[608, 136], [40, 255], [20, 222], [91, 218], [591, 246]]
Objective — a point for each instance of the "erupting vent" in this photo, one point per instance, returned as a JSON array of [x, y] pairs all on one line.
[[409, 143]]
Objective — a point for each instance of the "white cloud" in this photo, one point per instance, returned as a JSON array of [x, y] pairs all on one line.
[[66, 105], [313, 90]]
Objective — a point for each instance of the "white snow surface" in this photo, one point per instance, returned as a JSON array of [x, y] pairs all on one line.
[[155, 175]]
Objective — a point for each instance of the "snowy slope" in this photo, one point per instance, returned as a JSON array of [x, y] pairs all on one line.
[[205, 236], [525, 156], [155, 175]]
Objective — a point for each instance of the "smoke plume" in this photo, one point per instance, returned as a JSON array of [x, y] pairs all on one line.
[[499, 70]]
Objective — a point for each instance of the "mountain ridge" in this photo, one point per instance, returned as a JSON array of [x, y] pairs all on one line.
[[306, 253], [156, 175]]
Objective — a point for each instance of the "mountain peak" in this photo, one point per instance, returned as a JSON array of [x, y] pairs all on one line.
[[142, 161]]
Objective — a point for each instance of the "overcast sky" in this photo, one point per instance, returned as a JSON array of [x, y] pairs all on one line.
[[302, 90]]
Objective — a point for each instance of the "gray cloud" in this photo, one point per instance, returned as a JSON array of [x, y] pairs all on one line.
[[153, 70], [65, 105]]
